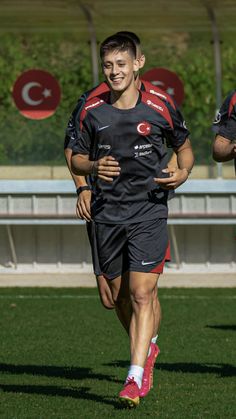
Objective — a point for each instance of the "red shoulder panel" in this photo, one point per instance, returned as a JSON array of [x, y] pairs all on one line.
[[158, 105], [95, 102], [232, 103], [154, 90], [99, 90]]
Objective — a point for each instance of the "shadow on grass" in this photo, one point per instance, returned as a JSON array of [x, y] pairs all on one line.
[[76, 373], [81, 393], [222, 370], [222, 326]]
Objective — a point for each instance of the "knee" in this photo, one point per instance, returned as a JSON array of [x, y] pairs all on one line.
[[155, 292], [141, 297]]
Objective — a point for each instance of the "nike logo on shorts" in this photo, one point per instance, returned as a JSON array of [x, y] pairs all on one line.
[[148, 263], [102, 128]]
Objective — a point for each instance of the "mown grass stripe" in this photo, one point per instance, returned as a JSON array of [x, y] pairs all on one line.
[[82, 297]]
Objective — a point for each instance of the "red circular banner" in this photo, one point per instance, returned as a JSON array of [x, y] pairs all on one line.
[[36, 94], [168, 81]]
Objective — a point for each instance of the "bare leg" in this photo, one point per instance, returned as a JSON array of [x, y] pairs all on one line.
[[123, 305], [157, 312], [142, 287]]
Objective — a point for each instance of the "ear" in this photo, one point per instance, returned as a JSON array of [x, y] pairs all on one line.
[[142, 60], [136, 65]]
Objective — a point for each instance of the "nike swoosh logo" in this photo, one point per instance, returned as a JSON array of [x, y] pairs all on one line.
[[148, 263], [102, 128]]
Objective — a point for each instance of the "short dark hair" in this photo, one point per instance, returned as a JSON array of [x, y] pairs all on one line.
[[130, 35], [119, 43]]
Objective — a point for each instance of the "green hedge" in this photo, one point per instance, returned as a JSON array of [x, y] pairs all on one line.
[[24, 141]]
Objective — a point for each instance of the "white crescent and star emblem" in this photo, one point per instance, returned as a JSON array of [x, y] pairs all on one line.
[[25, 94], [144, 128], [36, 94]]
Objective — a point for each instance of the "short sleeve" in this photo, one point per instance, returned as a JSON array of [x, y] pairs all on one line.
[[72, 132], [225, 121], [178, 133], [83, 142]]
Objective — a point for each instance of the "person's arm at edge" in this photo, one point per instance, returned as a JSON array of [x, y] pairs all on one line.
[[223, 149]]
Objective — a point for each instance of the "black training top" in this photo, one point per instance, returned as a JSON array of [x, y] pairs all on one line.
[[135, 138], [72, 128]]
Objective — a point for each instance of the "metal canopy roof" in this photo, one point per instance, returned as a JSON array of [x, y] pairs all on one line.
[[151, 17]]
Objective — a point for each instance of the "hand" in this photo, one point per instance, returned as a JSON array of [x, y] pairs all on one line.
[[83, 206], [176, 178], [107, 168]]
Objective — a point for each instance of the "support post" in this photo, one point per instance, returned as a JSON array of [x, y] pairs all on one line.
[[175, 245], [12, 246], [93, 42], [218, 67]]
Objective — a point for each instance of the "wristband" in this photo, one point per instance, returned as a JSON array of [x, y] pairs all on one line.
[[83, 188]]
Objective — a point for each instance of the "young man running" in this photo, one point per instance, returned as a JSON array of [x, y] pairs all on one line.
[[122, 305], [121, 145], [224, 146]]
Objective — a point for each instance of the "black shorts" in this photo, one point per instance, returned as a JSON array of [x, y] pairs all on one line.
[[139, 247]]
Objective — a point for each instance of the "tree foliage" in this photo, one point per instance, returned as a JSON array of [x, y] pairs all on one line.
[[24, 141]]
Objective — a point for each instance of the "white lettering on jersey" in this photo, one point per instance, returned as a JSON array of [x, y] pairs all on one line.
[[104, 146], [157, 94], [142, 153], [142, 146], [93, 104], [149, 102]]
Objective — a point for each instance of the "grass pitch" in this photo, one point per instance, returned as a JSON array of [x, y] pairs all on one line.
[[64, 356]]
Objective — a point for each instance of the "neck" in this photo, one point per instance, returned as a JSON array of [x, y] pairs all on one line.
[[138, 82], [126, 99]]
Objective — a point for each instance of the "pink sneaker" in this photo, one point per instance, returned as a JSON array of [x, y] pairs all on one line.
[[147, 382], [130, 393]]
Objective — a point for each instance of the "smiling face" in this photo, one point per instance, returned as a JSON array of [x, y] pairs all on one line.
[[119, 68]]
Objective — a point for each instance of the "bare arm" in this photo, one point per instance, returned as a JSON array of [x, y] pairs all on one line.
[[178, 175], [173, 161], [84, 199], [185, 158], [105, 168], [78, 180], [223, 149]]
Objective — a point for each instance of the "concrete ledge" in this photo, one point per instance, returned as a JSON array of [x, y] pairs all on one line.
[[26, 172], [62, 172], [169, 280]]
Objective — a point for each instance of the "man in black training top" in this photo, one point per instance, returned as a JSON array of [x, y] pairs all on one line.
[[121, 144], [122, 305]]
